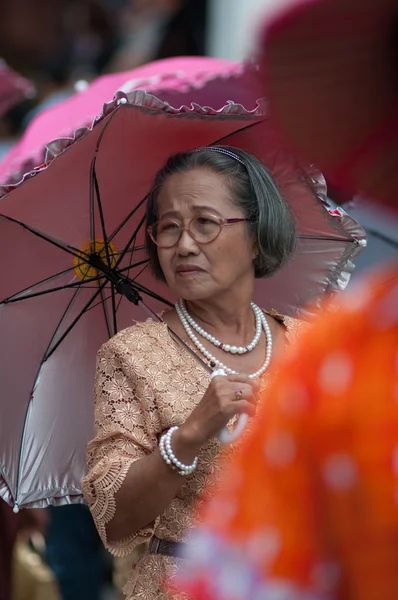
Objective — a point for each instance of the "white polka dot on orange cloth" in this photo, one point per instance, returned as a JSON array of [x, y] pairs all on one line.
[[336, 373], [280, 449], [263, 546], [222, 510], [340, 472]]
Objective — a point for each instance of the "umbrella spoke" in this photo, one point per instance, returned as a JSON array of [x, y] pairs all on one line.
[[94, 185], [18, 298], [326, 238], [132, 250], [35, 285], [128, 271], [131, 241], [126, 220], [46, 353], [55, 242], [91, 201], [233, 133], [74, 322]]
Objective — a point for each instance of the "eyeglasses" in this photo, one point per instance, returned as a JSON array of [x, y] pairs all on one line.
[[166, 233]]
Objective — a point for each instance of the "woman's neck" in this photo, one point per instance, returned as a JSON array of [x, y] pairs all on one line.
[[234, 316]]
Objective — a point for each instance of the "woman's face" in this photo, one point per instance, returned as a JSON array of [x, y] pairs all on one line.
[[197, 271]]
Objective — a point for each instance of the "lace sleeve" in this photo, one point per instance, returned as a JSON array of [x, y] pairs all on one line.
[[126, 422]]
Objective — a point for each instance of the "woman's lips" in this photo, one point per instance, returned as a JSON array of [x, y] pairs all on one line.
[[187, 270]]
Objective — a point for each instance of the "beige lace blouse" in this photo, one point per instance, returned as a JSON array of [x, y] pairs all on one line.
[[145, 383]]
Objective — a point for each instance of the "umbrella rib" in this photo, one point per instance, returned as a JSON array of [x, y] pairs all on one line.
[[128, 272], [101, 214], [58, 243], [326, 238], [75, 321], [14, 298], [249, 126], [131, 241], [45, 355], [67, 286], [91, 202], [133, 249], [30, 287], [126, 220]]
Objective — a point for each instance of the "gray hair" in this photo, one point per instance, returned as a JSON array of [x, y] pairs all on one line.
[[254, 191]]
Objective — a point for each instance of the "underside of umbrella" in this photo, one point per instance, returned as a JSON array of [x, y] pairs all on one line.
[[81, 215]]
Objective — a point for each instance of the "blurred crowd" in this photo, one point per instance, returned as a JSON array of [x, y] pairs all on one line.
[[56, 43]]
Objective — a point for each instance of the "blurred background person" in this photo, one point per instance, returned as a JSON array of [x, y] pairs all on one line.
[[155, 29]]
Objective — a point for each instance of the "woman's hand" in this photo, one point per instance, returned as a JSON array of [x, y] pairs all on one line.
[[224, 398]]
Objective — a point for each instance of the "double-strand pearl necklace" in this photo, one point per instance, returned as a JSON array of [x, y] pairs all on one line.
[[213, 360], [215, 341]]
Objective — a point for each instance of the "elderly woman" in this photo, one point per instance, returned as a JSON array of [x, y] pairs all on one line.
[[216, 221]]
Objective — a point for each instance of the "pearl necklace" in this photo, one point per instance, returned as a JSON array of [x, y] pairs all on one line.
[[226, 347], [213, 359]]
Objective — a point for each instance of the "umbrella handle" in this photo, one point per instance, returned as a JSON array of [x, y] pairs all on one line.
[[226, 436]]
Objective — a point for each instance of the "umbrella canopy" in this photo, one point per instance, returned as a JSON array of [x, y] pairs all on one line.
[[178, 81], [13, 88], [56, 309]]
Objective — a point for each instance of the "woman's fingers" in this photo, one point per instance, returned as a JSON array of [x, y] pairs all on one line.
[[244, 379], [244, 392], [245, 406], [240, 379]]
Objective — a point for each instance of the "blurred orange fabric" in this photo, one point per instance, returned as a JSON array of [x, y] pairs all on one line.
[[309, 507]]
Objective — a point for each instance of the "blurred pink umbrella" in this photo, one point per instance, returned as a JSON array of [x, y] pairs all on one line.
[[13, 88], [177, 81]]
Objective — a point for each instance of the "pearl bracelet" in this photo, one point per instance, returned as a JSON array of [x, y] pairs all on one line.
[[169, 457]]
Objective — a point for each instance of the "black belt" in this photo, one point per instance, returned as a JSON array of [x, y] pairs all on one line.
[[167, 548]]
